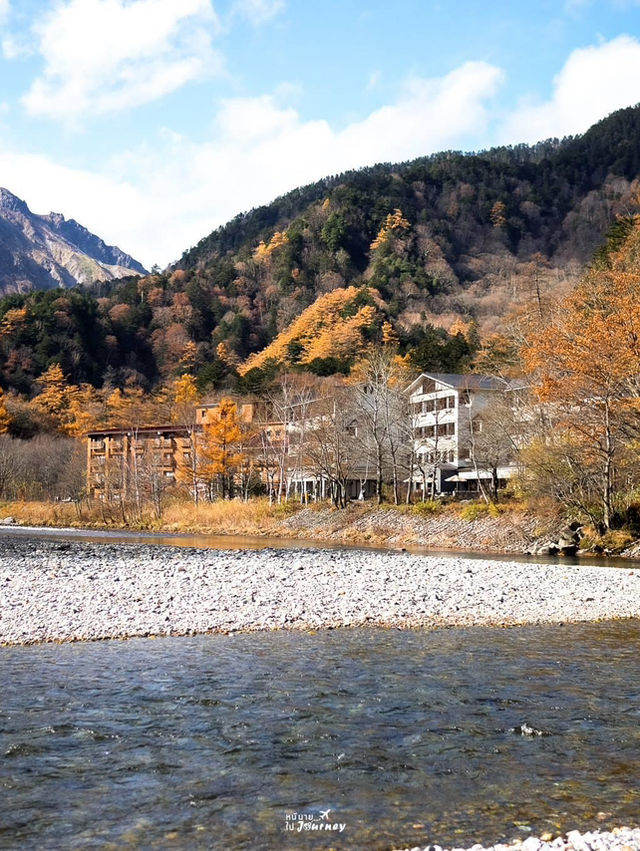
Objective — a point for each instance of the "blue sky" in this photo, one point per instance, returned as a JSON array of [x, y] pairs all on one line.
[[153, 121]]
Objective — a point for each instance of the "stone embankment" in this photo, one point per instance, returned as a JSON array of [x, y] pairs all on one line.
[[80, 591], [511, 531], [618, 839]]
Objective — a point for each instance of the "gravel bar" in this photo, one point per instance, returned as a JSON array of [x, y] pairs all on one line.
[[618, 839], [52, 591]]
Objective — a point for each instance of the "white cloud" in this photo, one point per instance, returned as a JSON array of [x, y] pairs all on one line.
[[155, 202], [15, 48], [258, 11], [95, 200], [259, 150], [158, 200], [5, 10], [101, 56], [594, 82]]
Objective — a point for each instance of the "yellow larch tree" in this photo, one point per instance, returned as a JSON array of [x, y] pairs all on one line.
[[389, 336], [342, 340], [185, 397], [85, 410], [5, 418], [221, 450], [12, 321], [331, 327], [586, 364], [226, 355], [459, 327], [72, 409], [53, 398], [393, 223], [129, 408], [266, 249], [188, 358]]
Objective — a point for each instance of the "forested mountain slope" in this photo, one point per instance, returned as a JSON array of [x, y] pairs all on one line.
[[442, 249], [484, 230]]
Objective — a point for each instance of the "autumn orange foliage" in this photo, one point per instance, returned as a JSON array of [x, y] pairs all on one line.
[[331, 327], [265, 250], [394, 222], [221, 447], [586, 364]]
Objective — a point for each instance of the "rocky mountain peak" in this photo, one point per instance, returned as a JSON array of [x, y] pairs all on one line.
[[41, 252], [55, 218], [11, 202]]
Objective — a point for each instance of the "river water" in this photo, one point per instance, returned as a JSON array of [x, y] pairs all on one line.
[[234, 742], [260, 542]]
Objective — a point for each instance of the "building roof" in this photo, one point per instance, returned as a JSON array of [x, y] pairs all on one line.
[[139, 430], [471, 381]]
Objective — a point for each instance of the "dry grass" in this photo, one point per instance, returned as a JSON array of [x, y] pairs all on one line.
[[256, 517], [242, 518], [44, 513]]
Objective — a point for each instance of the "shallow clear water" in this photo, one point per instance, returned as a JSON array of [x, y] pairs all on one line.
[[213, 741], [260, 542]]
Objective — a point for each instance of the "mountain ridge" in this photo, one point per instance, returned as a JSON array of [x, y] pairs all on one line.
[[48, 251]]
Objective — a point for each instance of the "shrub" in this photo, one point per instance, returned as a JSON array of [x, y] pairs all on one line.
[[616, 541], [477, 510], [427, 508]]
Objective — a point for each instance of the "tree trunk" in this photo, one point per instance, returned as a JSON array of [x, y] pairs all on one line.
[[495, 483], [608, 473]]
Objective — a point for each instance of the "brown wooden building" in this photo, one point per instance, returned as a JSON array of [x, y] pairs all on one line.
[[121, 459]]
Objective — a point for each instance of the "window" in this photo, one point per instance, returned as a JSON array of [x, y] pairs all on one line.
[[476, 426], [465, 397], [451, 401], [428, 406], [446, 429]]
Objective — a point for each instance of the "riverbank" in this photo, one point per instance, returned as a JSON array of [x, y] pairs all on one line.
[[618, 839], [459, 526], [51, 591]]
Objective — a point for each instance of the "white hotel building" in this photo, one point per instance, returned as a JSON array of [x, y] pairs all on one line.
[[446, 414]]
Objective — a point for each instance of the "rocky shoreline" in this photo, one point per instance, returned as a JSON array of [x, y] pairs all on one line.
[[53, 591], [618, 839]]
